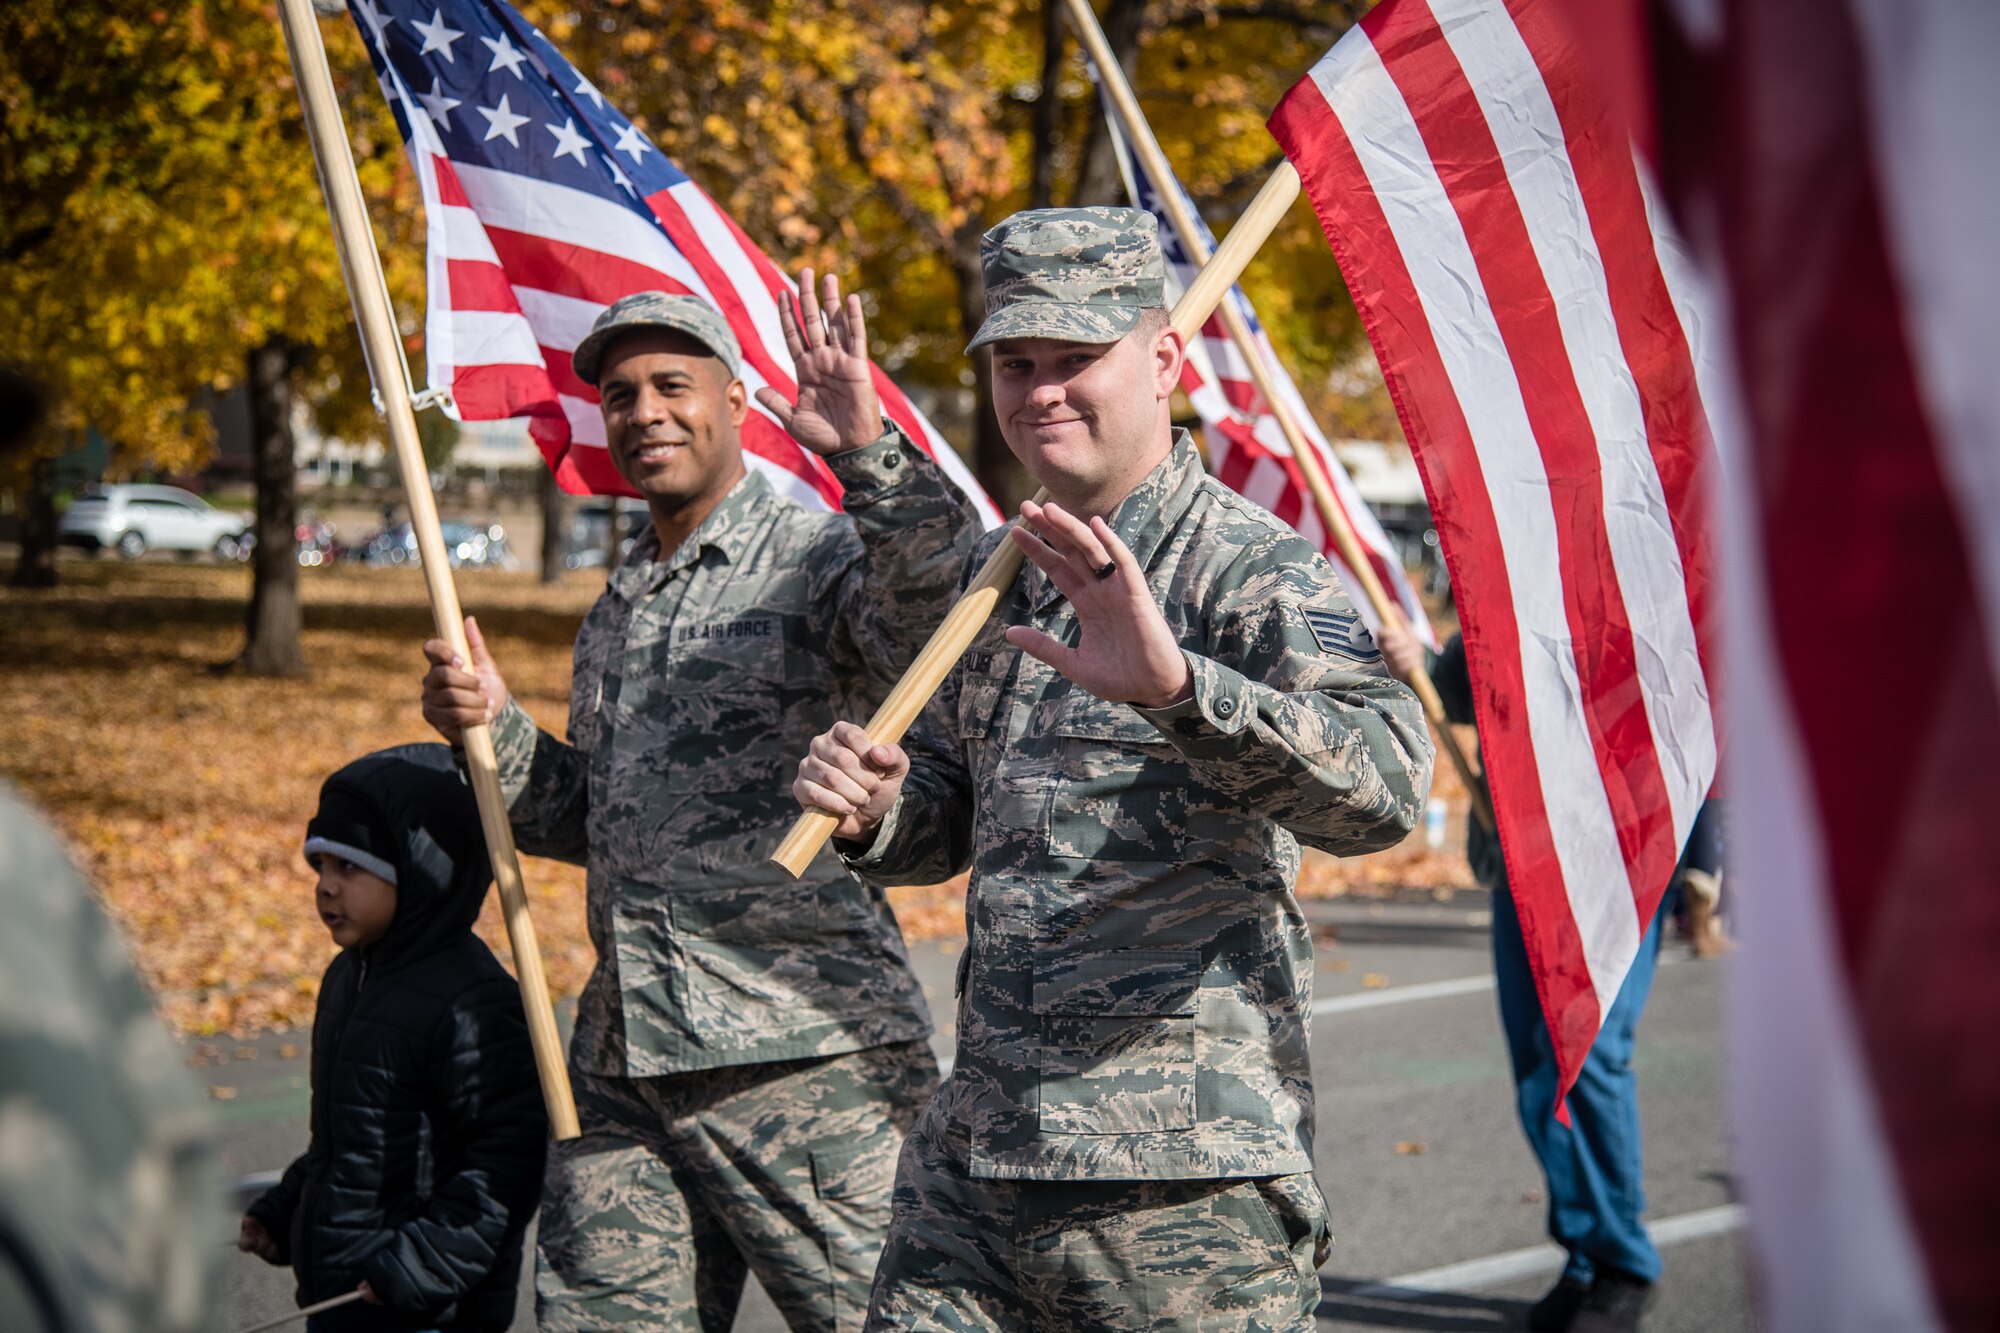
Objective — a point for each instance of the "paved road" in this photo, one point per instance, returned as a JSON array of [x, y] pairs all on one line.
[[1437, 1203]]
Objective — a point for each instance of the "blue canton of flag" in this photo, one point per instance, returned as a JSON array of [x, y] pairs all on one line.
[[498, 94]]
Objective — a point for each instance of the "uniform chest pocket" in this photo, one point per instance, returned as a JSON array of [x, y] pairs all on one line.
[[726, 652], [1118, 1041], [708, 710], [1120, 791]]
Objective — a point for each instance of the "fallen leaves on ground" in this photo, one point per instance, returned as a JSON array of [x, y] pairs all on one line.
[[1410, 1148], [183, 790]]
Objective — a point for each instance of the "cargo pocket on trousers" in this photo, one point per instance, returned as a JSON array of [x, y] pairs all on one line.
[[1267, 1284], [1117, 1037]]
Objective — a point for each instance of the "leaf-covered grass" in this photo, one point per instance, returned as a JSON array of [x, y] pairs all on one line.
[[183, 789]]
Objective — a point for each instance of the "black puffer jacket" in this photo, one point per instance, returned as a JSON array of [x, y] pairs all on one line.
[[427, 1124]]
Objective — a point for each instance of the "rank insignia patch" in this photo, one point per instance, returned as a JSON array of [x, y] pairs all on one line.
[[1342, 635]]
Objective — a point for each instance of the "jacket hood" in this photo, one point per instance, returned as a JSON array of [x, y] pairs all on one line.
[[425, 823]]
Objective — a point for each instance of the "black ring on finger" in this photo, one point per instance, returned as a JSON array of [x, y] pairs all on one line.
[[1109, 568]]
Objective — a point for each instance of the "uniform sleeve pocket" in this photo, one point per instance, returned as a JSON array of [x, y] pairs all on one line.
[[1117, 1037]]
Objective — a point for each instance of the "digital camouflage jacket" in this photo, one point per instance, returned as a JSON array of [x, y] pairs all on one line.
[[1138, 982], [700, 678], [111, 1215]]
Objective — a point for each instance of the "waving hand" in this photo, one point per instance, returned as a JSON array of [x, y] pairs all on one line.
[[837, 408], [1127, 653]]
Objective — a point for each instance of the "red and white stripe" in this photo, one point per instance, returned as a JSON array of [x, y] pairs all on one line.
[[1835, 165], [1247, 448], [1486, 209], [519, 266]]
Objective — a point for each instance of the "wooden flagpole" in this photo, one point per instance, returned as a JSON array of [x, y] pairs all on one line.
[[369, 293], [962, 623], [305, 1312], [1153, 161]]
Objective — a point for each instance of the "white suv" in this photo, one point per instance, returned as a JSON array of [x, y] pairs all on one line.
[[136, 519]]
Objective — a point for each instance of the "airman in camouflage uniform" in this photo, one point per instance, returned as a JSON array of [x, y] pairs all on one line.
[[749, 1050], [111, 1213], [1169, 701]]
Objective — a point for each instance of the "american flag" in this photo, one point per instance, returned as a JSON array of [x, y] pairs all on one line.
[[543, 205], [1835, 165], [1247, 449], [1540, 338]]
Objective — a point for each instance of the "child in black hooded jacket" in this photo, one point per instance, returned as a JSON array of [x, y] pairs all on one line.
[[428, 1132]]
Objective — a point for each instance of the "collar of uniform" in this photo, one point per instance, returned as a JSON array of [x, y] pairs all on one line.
[[725, 531], [1148, 512]]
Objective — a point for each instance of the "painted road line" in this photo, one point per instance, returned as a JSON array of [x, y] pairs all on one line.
[[1497, 1270], [1427, 990]]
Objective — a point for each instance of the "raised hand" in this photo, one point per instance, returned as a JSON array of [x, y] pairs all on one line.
[[837, 408], [1126, 653]]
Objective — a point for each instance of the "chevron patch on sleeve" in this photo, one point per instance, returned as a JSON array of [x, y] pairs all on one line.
[[1341, 634]]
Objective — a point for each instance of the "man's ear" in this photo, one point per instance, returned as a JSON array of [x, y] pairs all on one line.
[[739, 402], [1168, 354]]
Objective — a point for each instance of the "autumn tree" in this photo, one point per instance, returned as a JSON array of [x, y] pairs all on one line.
[[165, 231], [164, 234]]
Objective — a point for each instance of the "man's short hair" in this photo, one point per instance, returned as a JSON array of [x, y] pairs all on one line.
[[1153, 321]]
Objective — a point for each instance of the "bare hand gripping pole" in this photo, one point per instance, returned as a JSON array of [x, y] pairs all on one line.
[[1154, 163], [369, 293], [962, 623]]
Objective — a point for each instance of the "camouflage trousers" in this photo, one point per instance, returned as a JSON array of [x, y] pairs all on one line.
[[968, 1255], [682, 1185]]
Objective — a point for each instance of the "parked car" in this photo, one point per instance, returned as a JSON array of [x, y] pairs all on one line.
[[133, 519], [482, 547]]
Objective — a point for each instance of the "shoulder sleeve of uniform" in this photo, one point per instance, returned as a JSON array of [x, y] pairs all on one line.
[[883, 464], [1293, 709], [891, 584]]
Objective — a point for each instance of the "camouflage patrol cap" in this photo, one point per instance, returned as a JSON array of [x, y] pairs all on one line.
[[656, 310], [1077, 274]]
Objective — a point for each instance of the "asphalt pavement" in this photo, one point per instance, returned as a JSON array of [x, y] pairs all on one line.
[[1437, 1204]]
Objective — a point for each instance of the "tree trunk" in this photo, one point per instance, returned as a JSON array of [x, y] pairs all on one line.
[[992, 461], [555, 527], [614, 533], [1046, 131], [272, 645], [37, 565], [1097, 180]]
